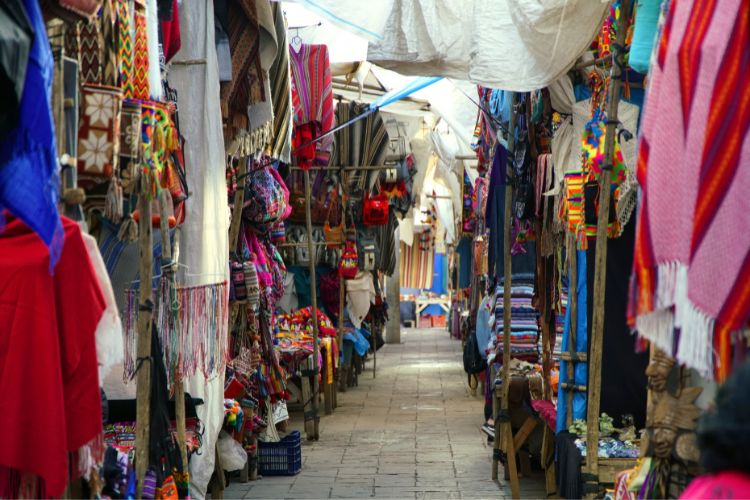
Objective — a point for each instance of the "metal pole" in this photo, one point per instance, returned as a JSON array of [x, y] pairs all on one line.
[[600, 264], [314, 300]]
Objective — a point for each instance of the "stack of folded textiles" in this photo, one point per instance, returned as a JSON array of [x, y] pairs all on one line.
[[524, 320], [559, 325]]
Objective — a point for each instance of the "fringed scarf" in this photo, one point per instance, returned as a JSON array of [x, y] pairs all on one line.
[[246, 100], [692, 255], [193, 325]]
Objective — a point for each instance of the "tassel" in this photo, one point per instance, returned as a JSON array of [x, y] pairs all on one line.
[[113, 202], [128, 229]]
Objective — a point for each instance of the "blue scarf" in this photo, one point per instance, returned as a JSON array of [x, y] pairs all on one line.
[[29, 176]]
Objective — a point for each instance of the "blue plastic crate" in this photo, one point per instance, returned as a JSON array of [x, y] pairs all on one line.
[[281, 459]]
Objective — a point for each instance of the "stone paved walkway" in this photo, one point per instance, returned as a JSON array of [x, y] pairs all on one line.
[[412, 432]]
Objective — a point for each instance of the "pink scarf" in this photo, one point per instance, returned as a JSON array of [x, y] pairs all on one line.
[[692, 255]]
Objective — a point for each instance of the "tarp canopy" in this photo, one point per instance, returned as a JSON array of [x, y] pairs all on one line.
[[518, 45]]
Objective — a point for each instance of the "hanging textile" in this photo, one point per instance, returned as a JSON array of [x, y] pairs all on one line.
[[416, 267], [692, 265], [246, 99], [109, 346], [580, 373], [205, 230], [312, 101], [644, 34], [50, 331], [281, 92], [29, 179]]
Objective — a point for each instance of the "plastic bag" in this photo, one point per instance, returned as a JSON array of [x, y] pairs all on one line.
[[233, 455]]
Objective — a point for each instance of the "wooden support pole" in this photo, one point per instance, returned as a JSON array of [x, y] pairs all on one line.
[[600, 264], [506, 430], [143, 362], [314, 300]]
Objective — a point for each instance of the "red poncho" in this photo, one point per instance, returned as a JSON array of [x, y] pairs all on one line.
[[49, 384]]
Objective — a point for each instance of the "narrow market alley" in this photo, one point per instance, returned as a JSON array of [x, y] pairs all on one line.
[[411, 432]]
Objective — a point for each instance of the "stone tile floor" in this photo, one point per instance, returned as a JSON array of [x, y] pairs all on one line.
[[411, 432]]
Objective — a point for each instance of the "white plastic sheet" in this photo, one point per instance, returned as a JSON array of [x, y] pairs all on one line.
[[518, 45]]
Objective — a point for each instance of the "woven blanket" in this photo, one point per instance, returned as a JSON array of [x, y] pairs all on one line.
[[692, 254], [246, 99], [416, 267]]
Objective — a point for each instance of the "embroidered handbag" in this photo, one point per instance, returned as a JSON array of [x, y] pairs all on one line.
[[297, 200], [349, 262], [375, 210], [99, 132], [334, 236], [267, 198]]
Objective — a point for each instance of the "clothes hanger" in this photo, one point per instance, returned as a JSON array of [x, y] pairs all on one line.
[[296, 42]]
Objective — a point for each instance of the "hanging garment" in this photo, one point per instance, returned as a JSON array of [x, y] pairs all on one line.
[[644, 34], [16, 37], [312, 96], [692, 265], [288, 302], [48, 359], [360, 294], [170, 31], [246, 99], [205, 231], [109, 346], [281, 92], [29, 179]]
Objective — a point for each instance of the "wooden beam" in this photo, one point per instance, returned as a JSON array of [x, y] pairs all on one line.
[[143, 361], [600, 264], [314, 301], [524, 432]]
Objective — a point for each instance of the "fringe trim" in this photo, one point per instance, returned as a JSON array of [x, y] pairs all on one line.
[[256, 140], [193, 323], [658, 327], [695, 348], [674, 310], [88, 457]]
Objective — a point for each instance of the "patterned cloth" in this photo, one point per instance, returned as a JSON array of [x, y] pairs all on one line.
[[281, 93], [140, 57], [416, 267], [692, 263], [99, 131], [312, 94], [125, 52]]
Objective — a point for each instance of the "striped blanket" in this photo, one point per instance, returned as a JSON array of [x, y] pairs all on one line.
[[692, 253], [416, 267]]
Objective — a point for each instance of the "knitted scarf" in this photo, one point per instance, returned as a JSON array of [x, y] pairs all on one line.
[[692, 254]]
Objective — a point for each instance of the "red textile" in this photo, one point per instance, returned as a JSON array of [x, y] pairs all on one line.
[[170, 31], [49, 383]]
